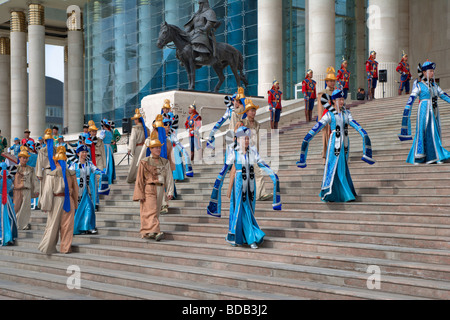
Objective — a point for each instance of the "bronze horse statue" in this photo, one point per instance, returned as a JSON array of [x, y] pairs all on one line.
[[225, 55]]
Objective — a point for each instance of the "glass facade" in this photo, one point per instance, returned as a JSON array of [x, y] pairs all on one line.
[[123, 63], [294, 39]]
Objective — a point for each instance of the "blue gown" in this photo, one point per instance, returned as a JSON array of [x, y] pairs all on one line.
[[181, 156], [84, 219], [243, 228], [337, 185], [8, 223], [107, 137], [427, 145]]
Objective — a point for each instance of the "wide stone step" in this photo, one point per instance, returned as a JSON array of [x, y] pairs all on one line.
[[311, 196], [131, 238], [270, 276], [293, 228], [316, 182], [44, 276], [25, 291], [286, 215], [201, 205]]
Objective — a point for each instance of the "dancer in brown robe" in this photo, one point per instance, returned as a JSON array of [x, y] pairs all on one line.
[[153, 178]]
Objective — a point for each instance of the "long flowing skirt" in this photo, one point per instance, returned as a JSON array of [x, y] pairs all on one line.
[[428, 141], [178, 173], [8, 225], [342, 189], [110, 165], [85, 215], [243, 228]]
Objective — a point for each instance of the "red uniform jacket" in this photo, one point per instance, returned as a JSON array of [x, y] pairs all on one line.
[[190, 122], [309, 88], [403, 69], [372, 68], [343, 77], [275, 99]]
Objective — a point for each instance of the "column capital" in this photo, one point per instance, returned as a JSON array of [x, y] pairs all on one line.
[[5, 46], [74, 21], [36, 14], [18, 21]]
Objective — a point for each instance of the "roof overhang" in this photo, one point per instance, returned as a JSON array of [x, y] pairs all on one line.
[[55, 16]]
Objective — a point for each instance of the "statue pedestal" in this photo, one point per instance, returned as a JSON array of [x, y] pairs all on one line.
[[210, 106]]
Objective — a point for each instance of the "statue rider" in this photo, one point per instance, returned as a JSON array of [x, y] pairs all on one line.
[[201, 28]]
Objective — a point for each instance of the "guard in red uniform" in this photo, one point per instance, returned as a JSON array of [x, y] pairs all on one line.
[[403, 69], [309, 93], [193, 124], [275, 104], [372, 74], [343, 77]]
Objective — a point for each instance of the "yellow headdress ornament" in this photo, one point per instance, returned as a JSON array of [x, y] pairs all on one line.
[[60, 154], [331, 74], [240, 94], [92, 126], [167, 104], [249, 105], [158, 121], [154, 140], [48, 134], [23, 152], [137, 114]]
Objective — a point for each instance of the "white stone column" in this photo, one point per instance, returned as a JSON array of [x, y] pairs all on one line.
[[19, 76], [75, 76], [361, 76], [66, 88], [5, 88], [36, 63], [383, 38], [270, 44], [322, 42], [403, 28]]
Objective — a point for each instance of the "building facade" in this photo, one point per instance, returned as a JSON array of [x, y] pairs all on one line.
[[112, 61]]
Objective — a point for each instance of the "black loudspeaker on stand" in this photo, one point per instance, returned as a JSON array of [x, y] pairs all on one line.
[[382, 78], [126, 129]]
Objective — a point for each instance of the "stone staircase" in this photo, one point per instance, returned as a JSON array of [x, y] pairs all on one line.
[[312, 250]]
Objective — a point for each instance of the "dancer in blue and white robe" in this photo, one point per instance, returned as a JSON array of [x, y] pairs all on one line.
[[234, 112], [243, 228], [8, 222], [180, 154], [107, 136], [84, 219], [337, 185], [427, 145]]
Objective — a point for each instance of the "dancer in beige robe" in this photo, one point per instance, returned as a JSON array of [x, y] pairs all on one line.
[[26, 186], [154, 181], [136, 144], [251, 123], [59, 222], [330, 81], [43, 162]]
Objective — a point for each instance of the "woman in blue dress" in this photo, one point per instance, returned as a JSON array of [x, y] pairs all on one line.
[[107, 136], [84, 220], [337, 185], [241, 160], [8, 223], [427, 145], [179, 152]]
